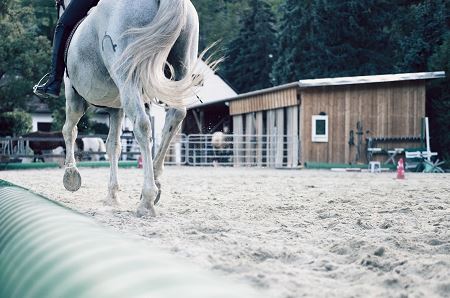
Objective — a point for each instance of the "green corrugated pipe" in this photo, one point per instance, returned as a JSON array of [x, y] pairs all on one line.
[[47, 250]]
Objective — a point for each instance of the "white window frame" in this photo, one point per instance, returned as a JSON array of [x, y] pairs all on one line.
[[319, 138]]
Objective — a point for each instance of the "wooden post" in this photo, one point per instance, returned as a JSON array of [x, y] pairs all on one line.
[[270, 159], [301, 135], [177, 147], [249, 142], [292, 136], [279, 153], [347, 127], [238, 131], [259, 139]]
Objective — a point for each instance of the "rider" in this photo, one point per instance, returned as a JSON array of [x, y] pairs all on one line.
[[73, 13]]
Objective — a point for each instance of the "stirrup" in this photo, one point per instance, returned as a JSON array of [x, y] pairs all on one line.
[[51, 88], [35, 91]]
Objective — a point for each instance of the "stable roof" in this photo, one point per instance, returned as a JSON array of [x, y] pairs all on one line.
[[302, 84], [371, 79]]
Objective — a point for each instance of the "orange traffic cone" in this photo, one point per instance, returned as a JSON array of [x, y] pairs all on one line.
[[140, 162], [400, 169]]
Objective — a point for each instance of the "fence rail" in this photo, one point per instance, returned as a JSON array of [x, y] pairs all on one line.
[[243, 150], [279, 151]]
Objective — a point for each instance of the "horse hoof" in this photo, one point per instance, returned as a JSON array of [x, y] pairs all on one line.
[[110, 202], [144, 212], [72, 179]]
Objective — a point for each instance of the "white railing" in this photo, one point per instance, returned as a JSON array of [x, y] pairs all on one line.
[[275, 151], [243, 150], [177, 152]]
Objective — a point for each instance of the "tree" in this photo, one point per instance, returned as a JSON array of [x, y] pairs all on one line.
[[329, 38], [15, 123], [422, 33], [293, 37], [219, 20], [419, 28], [438, 95], [23, 55], [250, 55]]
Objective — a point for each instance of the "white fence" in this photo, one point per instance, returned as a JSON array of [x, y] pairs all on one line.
[[235, 150], [243, 150], [276, 151]]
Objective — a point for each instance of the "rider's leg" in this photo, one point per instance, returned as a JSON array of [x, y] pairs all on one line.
[[53, 85], [74, 12]]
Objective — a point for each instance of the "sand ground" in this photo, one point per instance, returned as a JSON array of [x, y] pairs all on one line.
[[288, 233]]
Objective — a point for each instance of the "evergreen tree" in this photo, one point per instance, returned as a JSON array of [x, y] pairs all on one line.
[[438, 101], [422, 32], [321, 38], [419, 29], [219, 20], [294, 41], [249, 56]]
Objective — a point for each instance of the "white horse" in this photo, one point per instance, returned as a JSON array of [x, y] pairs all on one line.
[[95, 147], [116, 59]]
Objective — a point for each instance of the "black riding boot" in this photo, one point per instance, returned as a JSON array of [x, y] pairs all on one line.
[[52, 87]]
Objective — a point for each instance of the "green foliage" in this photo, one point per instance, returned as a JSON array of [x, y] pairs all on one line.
[[99, 128], [59, 117], [418, 30], [219, 20], [15, 123], [88, 126], [45, 13], [333, 38], [249, 56], [4, 6], [292, 41], [24, 55], [438, 94]]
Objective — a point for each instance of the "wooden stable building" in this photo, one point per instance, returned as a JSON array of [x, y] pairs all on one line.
[[336, 120]]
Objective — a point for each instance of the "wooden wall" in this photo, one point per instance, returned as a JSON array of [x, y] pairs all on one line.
[[266, 101], [267, 138], [385, 109]]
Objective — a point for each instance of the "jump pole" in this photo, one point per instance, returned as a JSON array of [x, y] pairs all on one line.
[[47, 250]]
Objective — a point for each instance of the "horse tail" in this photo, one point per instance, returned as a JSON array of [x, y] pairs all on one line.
[[144, 60]]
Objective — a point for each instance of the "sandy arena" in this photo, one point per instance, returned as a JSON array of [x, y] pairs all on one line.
[[288, 233]]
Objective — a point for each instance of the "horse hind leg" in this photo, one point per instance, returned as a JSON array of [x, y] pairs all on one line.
[[174, 117], [113, 149], [75, 109], [135, 111], [181, 57]]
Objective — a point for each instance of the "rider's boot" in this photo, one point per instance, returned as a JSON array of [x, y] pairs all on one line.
[[52, 86]]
